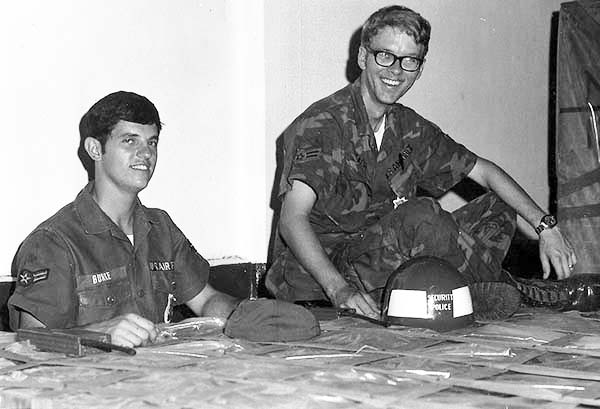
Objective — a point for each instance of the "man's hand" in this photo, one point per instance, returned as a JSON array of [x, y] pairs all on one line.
[[348, 297], [129, 330], [556, 252]]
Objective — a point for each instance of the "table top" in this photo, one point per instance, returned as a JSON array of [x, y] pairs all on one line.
[[536, 359]]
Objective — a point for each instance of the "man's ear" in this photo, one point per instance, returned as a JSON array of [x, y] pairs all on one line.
[[361, 58], [93, 148]]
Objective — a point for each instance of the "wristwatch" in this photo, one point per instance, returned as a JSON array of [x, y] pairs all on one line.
[[548, 221]]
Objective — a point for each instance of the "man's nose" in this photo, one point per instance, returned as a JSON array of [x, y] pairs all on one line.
[[144, 151], [396, 68]]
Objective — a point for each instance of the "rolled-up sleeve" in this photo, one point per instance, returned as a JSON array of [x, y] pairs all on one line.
[[308, 155], [44, 288]]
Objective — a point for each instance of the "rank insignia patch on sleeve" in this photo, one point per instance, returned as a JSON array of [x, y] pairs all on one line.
[[27, 278], [303, 155]]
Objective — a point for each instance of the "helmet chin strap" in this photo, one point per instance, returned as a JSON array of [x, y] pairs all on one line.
[[351, 312]]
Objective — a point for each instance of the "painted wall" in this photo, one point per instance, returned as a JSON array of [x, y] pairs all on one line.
[[228, 76], [200, 62]]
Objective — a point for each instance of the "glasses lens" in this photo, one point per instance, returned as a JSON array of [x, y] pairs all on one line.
[[410, 64], [384, 59]]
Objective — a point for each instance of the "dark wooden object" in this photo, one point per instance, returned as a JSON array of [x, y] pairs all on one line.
[[70, 342]]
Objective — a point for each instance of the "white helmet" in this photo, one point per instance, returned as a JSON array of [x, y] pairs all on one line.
[[427, 292]]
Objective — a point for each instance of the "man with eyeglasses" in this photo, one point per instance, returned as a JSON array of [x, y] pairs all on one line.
[[352, 164]]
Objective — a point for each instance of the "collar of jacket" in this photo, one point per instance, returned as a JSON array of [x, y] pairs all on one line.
[[95, 221]]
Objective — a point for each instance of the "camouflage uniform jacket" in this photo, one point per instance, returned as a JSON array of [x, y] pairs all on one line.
[[331, 147], [78, 267]]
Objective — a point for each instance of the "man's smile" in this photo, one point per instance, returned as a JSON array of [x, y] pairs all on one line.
[[391, 83], [140, 166]]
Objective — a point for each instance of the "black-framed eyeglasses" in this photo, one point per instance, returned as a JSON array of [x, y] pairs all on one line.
[[387, 59]]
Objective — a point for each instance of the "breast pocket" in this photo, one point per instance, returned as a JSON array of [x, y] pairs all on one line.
[[163, 282], [103, 295]]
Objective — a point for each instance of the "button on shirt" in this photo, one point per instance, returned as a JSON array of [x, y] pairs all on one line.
[[81, 268]]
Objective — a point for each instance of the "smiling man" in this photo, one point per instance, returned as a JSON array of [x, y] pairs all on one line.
[[353, 161], [105, 262]]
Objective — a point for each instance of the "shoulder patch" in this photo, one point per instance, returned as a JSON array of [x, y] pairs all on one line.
[[25, 278], [304, 155]]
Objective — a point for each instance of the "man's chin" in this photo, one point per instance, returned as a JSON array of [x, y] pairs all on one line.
[[388, 98], [388, 101], [139, 186], [391, 96]]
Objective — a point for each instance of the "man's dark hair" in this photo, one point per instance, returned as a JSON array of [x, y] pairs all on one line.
[[402, 18], [99, 121]]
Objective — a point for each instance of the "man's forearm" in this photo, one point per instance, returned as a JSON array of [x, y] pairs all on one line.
[[307, 248], [555, 250], [220, 305], [493, 177]]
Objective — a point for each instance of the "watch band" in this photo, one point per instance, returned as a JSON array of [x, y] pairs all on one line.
[[540, 228], [548, 221]]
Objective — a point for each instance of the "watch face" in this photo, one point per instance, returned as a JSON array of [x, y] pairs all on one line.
[[549, 220]]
